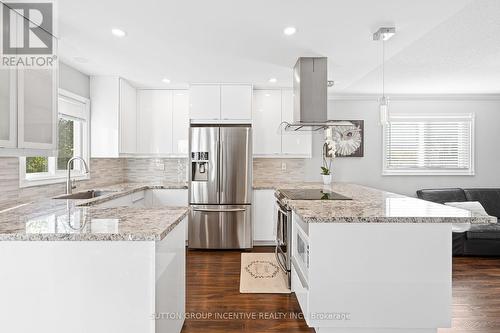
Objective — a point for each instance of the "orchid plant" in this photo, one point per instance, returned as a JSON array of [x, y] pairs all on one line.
[[329, 150]]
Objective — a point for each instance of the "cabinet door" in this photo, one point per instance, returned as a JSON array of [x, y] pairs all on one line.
[[8, 109], [155, 122], [128, 118], [170, 197], [299, 143], [266, 119], [104, 96], [236, 102], [180, 122], [37, 109], [205, 102], [263, 216]]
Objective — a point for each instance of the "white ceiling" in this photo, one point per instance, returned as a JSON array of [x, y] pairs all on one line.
[[441, 46]]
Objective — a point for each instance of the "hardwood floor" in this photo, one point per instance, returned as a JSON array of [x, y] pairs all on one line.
[[213, 297]]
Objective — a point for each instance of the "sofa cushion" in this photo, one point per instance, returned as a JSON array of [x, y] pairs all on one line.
[[484, 231], [488, 197], [442, 195]]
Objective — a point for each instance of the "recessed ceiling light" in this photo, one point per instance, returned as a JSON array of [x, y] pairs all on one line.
[[273, 80], [289, 31], [165, 80], [118, 32]]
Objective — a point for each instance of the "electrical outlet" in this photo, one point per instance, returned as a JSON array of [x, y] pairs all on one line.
[[283, 166]]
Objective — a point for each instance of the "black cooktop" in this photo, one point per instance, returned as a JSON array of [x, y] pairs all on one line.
[[312, 194]]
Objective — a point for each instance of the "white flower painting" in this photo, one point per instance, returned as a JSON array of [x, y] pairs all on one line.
[[349, 139]]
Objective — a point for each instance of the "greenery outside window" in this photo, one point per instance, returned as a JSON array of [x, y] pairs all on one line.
[[73, 140]]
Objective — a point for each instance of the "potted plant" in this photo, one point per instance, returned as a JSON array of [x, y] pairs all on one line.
[[329, 148]]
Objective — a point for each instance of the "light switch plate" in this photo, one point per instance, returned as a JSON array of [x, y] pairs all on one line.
[[283, 166]]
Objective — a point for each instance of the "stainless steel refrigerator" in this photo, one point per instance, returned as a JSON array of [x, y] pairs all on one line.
[[220, 187]]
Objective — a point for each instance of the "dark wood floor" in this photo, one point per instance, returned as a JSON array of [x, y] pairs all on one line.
[[213, 290]]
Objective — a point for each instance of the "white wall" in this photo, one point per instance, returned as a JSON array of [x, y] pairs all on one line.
[[74, 81], [368, 169]]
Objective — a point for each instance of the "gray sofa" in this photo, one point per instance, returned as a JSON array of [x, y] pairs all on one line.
[[479, 240]]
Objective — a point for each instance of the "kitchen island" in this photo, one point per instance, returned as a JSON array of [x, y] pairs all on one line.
[[380, 262], [96, 265]]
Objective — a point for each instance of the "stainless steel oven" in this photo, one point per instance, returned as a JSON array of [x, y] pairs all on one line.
[[283, 249]]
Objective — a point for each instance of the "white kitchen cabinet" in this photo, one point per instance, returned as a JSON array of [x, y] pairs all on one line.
[[236, 102], [220, 102], [112, 99], [167, 197], [8, 109], [37, 109], [266, 119], [270, 109], [294, 143], [155, 122], [180, 122], [264, 224], [128, 118], [28, 101], [205, 102]]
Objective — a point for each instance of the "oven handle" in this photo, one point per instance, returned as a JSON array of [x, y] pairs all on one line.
[[279, 260]]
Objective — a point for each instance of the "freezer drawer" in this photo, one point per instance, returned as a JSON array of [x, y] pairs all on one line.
[[220, 227]]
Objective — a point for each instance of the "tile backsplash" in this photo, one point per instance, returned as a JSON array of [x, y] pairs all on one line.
[[279, 170], [107, 171], [153, 170], [103, 171]]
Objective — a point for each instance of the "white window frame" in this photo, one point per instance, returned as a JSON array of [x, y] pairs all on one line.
[[55, 176], [469, 116]]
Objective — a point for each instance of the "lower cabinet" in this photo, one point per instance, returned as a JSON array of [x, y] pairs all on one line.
[[168, 197], [264, 217]]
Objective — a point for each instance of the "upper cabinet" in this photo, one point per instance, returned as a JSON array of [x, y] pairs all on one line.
[[155, 122], [236, 102], [128, 118], [180, 122], [28, 99], [8, 109], [113, 121], [163, 123], [220, 102], [266, 119], [205, 102], [28, 112], [270, 109]]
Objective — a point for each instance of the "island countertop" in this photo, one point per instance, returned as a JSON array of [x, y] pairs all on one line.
[[80, 220], [369, 205]]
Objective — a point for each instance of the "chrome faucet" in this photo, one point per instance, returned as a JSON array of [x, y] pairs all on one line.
[[69, 185]]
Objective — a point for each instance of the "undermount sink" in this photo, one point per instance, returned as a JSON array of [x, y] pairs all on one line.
[[84, 195]]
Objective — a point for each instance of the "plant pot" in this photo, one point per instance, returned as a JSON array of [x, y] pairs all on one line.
[[327, 179]]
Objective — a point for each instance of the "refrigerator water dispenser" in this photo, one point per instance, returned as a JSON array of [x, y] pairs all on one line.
[[199, 166]]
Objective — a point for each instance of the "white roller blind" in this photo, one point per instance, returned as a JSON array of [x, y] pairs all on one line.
[[429, 144]]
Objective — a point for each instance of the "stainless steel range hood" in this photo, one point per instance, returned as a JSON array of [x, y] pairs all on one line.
[[310, 111]]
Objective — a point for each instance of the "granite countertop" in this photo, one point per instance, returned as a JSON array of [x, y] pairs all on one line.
[[369, 205], [80, 220]]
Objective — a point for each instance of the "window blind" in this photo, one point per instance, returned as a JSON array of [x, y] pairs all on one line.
[[428, 144]]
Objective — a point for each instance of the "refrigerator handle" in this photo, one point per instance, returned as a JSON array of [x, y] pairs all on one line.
[[221, 164], [217, 143]]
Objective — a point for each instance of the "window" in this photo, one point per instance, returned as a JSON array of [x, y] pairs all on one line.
[[418, 144], [73, 140]]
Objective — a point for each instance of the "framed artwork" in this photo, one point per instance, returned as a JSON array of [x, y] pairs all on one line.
[[349, 139]]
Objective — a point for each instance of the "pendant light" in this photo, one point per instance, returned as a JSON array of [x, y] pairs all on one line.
[[383, 34]]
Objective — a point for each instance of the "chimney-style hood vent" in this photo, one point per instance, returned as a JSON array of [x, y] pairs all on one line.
[[310, 81]]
